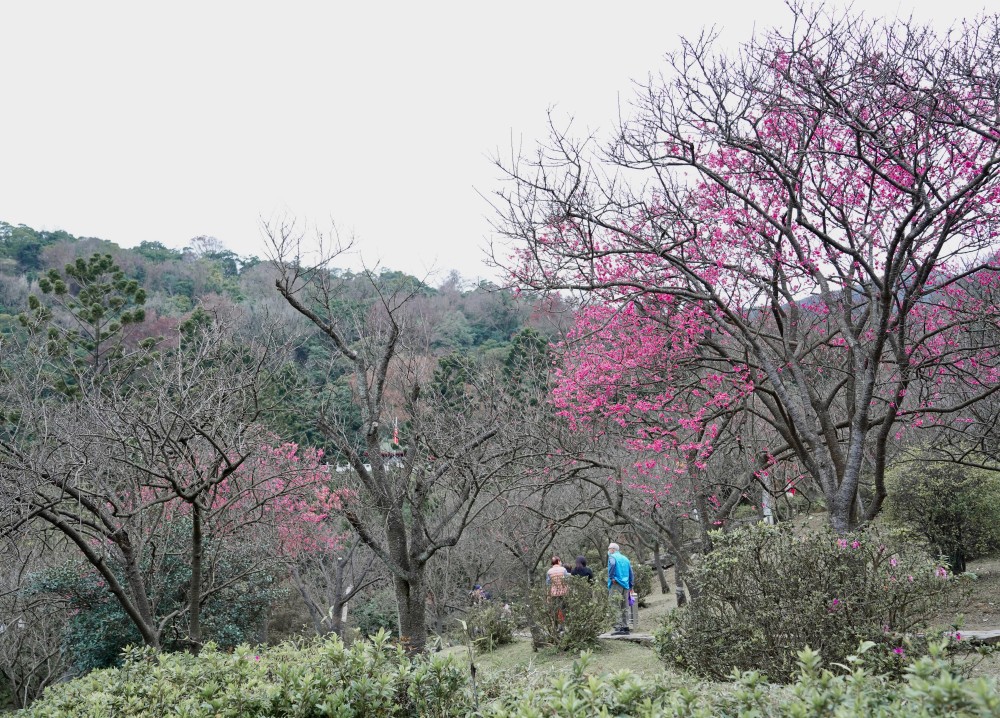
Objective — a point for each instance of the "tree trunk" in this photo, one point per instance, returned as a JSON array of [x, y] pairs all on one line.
[[956, 561], [659, 569], [410, 604], [194, 595], [767, 507], [839, 512], [139, 610], [334, 621], [680, 576]]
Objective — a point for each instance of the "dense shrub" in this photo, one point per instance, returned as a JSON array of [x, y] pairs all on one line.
[[929, 691], [586, 610], [766, 593], [490, 625], [378, 613], [373, 678], [320, 678], [98, 628], [643, 582], [955, 508]]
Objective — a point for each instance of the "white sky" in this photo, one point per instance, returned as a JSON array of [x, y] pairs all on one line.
[[136, 121]]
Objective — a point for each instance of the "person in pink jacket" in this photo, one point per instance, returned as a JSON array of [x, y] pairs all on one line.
[[557, 579]]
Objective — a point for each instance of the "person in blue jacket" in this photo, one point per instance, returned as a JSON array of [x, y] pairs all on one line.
[[620, 582]]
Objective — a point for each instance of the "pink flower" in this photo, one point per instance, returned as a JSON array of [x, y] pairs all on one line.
[[257, 658], [941, 572], [898, 650], [855, 544], [893, 562], [841, 543]]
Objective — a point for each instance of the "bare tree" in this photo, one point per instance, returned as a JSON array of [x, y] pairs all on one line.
[[118, 445], [328, 580], [32, 646], [460, 444]]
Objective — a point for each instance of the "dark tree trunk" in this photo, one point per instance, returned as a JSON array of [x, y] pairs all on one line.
[[956, 561], [664, 589], [411, 605], [335, 619], [680, 582], [194, 595]]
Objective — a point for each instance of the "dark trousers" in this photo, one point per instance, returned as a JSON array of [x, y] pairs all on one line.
[[619, 593]]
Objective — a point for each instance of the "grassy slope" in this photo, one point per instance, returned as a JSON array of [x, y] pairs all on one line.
[[609, 656], [982, 611]]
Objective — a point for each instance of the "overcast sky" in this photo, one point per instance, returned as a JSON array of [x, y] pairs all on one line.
[[132, 121]]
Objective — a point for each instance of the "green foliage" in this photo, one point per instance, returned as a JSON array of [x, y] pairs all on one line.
[[452, 332], [494, 314], [766, 593], [643, 582], [303, 390], [490, 625], [86, 339], [24, 245], [586, 610], [98, 628], [373, 678], [320, 678], [955, 508], [450, 380], [157, 252], [930, 690], [526, 366], [378, 613]]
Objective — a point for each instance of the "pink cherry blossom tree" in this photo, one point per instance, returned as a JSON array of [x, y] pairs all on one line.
[[819, 212]]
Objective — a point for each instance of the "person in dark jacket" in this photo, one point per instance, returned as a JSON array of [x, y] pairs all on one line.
[[580, 569]]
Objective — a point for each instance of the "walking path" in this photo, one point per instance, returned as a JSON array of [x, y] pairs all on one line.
[[985, 637], [634, 637]]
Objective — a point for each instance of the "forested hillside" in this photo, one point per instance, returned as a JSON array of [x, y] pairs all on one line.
[[454, 316], [189, 455]]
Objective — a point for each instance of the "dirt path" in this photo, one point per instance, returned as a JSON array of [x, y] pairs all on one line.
[[980, 610]]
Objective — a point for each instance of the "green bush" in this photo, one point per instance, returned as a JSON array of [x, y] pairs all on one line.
[[376, 614], [318, 678], [929, 691], [643, 582], [766, 594], [490, 625], [98, 627], [374, 679], [955, 508], [586, 609]]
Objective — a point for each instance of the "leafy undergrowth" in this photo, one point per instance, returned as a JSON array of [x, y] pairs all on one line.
[[928, 691], [519, 659], [375, 680]]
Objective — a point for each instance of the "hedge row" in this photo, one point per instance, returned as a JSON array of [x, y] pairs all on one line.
[[325, 678]]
